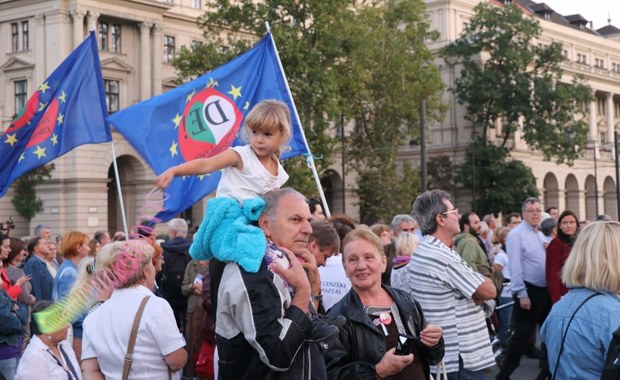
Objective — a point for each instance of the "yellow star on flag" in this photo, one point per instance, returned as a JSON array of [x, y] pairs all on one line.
[[21, 157], [235, 92], [40, 152], [212, 83], [60, 118], [54, 139], [173, 149], [177, 120], [201, 177], [190, 96], [41, 106], [246, 106], [62, 97], [44, 87], [11, 139]]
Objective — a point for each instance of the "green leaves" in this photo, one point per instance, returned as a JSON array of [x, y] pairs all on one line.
[[507, 75], [346, 62], [25, 200]]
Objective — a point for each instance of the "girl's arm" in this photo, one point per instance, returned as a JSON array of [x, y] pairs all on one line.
[[226, 159]]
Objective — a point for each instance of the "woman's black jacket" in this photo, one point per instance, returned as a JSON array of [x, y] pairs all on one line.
[[361, 345]]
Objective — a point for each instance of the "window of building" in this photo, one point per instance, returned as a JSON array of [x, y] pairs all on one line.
[[197, 4], [25, 36], [112, 94], [21, 93], [616, 108], [103, 36], [169, 48], [14, 37], [115, 39], [581, 58]]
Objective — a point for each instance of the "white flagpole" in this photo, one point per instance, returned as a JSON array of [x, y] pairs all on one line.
[[310, 159], [118, 190]]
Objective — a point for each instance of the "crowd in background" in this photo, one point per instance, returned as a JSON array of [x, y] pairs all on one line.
[[403, 262]]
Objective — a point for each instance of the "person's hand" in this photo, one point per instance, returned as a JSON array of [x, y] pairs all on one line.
[[33, 299], [431, 335], [295, 275], [525, 303], [308, 261], [197, 287], [164, 179], [392, 364], [22, 280]]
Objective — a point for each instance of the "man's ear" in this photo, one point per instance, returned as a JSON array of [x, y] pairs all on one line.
[[439, 220], [264, 222], [312, 245]]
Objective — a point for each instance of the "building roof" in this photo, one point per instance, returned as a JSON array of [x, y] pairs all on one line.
[[544, 11]]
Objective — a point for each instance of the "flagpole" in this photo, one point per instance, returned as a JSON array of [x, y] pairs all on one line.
[[310, 159], [118, 190]]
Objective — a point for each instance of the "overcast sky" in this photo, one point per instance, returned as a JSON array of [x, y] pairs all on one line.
[[592, 10]]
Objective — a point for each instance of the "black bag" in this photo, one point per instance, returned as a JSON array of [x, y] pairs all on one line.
[[611, 371], [174, 271]]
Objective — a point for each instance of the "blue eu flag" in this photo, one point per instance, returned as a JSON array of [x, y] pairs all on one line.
[[203, 118], [66, 111]]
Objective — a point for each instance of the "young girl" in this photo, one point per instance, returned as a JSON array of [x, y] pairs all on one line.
[[249, 170]]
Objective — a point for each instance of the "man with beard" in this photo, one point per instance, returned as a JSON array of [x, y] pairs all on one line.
[[467, 244]]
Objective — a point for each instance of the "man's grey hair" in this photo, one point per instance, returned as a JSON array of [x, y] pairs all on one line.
[[426, 207], [179, 225], [272, 199], [398, 219], [39, 228], [529, 201]]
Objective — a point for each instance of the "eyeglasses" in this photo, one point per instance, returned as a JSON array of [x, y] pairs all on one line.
[[412, 229], [453, 211], [534, 211]]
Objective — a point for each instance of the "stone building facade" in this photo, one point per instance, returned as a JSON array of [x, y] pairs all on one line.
[[139, 38]]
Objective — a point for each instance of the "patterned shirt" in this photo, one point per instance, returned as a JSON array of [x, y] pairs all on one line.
[[444, 284]]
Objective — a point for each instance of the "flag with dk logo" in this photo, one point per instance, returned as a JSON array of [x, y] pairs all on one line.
[[203, 118]]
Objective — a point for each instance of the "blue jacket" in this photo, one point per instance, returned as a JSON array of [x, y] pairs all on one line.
[[588, 337], [42, 281]]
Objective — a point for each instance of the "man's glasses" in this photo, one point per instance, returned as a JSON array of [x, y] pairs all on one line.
[[534, 211], [453, 211], [412, 229]]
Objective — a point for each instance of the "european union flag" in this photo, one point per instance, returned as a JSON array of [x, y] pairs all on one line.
[[202, 118], [67, 110]]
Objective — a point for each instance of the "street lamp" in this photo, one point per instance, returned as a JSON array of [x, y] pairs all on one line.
[[595, 176]]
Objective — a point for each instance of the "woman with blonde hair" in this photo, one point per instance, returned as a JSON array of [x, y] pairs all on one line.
[[159, 346], [405, 245], [378, 317], [579, 327]]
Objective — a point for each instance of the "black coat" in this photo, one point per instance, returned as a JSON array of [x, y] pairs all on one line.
[[361, 345]]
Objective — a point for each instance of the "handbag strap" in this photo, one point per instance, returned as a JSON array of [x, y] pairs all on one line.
[[132, 338], [557, 362]]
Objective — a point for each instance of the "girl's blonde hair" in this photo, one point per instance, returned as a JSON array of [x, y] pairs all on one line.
[[594, 261], [269, 116]]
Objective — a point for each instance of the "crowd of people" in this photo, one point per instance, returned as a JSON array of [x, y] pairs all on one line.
[[325, 298]]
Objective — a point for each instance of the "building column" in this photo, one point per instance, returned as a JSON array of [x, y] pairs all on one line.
[[93, 20], [157, 58], [145, 52], [592, 121], [78, 25], [610, 117], [38, 47]]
